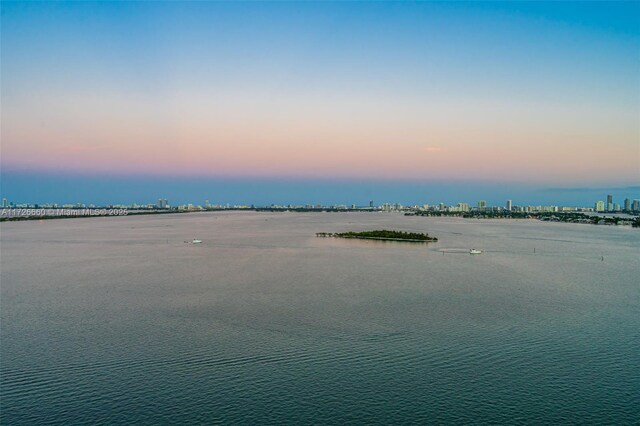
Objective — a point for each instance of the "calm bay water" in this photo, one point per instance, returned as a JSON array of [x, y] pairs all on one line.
[[119, 321]]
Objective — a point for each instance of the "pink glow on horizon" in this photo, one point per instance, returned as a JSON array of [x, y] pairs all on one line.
[[265, 136]]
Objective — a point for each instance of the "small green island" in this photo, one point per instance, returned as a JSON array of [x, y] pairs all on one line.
[[412, 237]]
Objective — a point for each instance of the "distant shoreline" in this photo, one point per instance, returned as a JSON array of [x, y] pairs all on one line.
[[568, 217]]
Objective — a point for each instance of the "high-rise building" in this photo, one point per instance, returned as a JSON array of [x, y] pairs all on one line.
[[599, 206], [159, 204], [609, 203], [627, 204], [509, 205], [5, 204], [463, 207], [482, 204], [370, 204], [165, 204], [635, 206]]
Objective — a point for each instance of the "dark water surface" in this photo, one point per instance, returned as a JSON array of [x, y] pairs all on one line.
[[118, 321]]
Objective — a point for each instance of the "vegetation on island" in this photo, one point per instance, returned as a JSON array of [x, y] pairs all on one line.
[[382, 235]]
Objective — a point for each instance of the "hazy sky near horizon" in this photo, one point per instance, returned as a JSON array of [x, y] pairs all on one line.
[[543, 93]]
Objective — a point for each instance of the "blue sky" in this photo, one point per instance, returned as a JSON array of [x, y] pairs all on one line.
[[513, 97], [104, 190]]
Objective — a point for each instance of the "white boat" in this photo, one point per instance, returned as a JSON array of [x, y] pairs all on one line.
[[196, 241], [475, 251]]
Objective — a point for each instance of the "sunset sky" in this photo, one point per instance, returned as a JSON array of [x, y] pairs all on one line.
[[523, 96]]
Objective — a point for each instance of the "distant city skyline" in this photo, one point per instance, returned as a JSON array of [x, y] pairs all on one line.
[[342, 101], [64, 189]]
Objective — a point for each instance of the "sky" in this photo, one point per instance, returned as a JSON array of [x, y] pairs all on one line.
[[332, 102]]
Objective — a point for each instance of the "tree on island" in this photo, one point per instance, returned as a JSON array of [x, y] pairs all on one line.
[[382, 235]]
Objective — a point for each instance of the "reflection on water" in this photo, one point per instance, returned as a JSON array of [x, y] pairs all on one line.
[[118, 320]]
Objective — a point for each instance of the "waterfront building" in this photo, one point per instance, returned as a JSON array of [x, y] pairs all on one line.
[[635, 206], [463, 207], [609, 202], [5, 204], [482, 204], [599, 206], [509, 205], [627, 204], [162, 203]]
